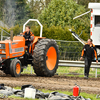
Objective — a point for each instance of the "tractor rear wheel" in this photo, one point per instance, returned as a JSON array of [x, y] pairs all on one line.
[[15, 68], [45, 57]]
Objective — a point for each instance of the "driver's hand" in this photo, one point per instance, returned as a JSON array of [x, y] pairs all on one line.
[[96, 61], [81, 58], [26, 39], [21, 33]]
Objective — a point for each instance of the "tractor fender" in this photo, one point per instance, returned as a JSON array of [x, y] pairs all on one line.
[[36, 39]]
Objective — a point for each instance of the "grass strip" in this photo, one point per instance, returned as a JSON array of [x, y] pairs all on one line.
[[83, 94]]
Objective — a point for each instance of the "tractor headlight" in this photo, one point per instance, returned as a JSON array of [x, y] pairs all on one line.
[[3, 51]]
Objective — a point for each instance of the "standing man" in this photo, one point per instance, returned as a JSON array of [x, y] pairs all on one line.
[[29, 36], [88, 52]]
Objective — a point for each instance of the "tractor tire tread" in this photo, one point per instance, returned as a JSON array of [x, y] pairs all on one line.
[[12, 68]]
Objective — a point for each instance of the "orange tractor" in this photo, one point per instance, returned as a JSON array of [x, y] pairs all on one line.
[[44, 55]]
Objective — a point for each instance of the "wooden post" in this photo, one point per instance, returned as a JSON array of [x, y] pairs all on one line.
[[11, 35]]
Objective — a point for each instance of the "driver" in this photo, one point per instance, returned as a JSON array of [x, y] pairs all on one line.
[[29, 36]]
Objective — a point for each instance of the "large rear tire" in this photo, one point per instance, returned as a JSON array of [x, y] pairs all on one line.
[[45, 57], [15, 68]]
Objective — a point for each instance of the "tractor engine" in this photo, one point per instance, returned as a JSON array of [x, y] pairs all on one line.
[[11, 49]]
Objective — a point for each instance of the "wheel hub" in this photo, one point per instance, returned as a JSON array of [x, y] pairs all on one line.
[[51, 58]]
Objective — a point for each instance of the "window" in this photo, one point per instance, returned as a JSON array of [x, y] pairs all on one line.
[[97, 21]]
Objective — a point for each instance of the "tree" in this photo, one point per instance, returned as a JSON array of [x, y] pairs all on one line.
[[47, 2], [15, 12], [22, 12], [2, 2], [62, 12], [9, 12], [36, 6], [85, 2]]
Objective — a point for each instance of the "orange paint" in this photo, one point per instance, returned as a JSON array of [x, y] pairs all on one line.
[[91, 25], [51, 58], [91, 33], [91, 18], [18, 68], [16, 48]]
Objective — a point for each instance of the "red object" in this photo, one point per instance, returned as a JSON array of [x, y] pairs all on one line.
[[91, 10], [91, 33], [75, 91], [91, 17], [91, 25]]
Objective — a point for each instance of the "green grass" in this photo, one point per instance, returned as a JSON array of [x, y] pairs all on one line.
[[28, 70], [75, 69], [71, 71], [85, 95], [67, 71]]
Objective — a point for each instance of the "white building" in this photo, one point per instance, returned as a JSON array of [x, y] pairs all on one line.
[[95, 23]]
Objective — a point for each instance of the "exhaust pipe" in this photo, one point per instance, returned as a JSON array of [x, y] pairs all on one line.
[[11, 35]]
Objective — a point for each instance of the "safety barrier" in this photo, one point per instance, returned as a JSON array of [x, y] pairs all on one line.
[[67, 63]]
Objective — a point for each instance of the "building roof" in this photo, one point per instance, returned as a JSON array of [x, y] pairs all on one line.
[[94, 5]]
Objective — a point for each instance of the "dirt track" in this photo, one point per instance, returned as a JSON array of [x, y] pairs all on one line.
[[65, 83]]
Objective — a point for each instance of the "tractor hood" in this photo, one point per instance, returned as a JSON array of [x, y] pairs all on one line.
[[11, 49]]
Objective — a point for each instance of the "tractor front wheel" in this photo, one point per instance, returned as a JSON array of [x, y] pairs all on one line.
[[15, 68]]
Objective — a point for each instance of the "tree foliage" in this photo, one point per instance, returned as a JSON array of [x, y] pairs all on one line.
[[55, 15], [1, 9], [85, 2], [53, 32], [62, 12], [14, 12], [22, 12], [36, 6]]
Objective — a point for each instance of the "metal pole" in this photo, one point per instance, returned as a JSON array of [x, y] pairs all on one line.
[[82, 14], [26, 69], [41, 26], [11, 35], [31, 69], [4, 31], [1, 34], [96, 73]]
